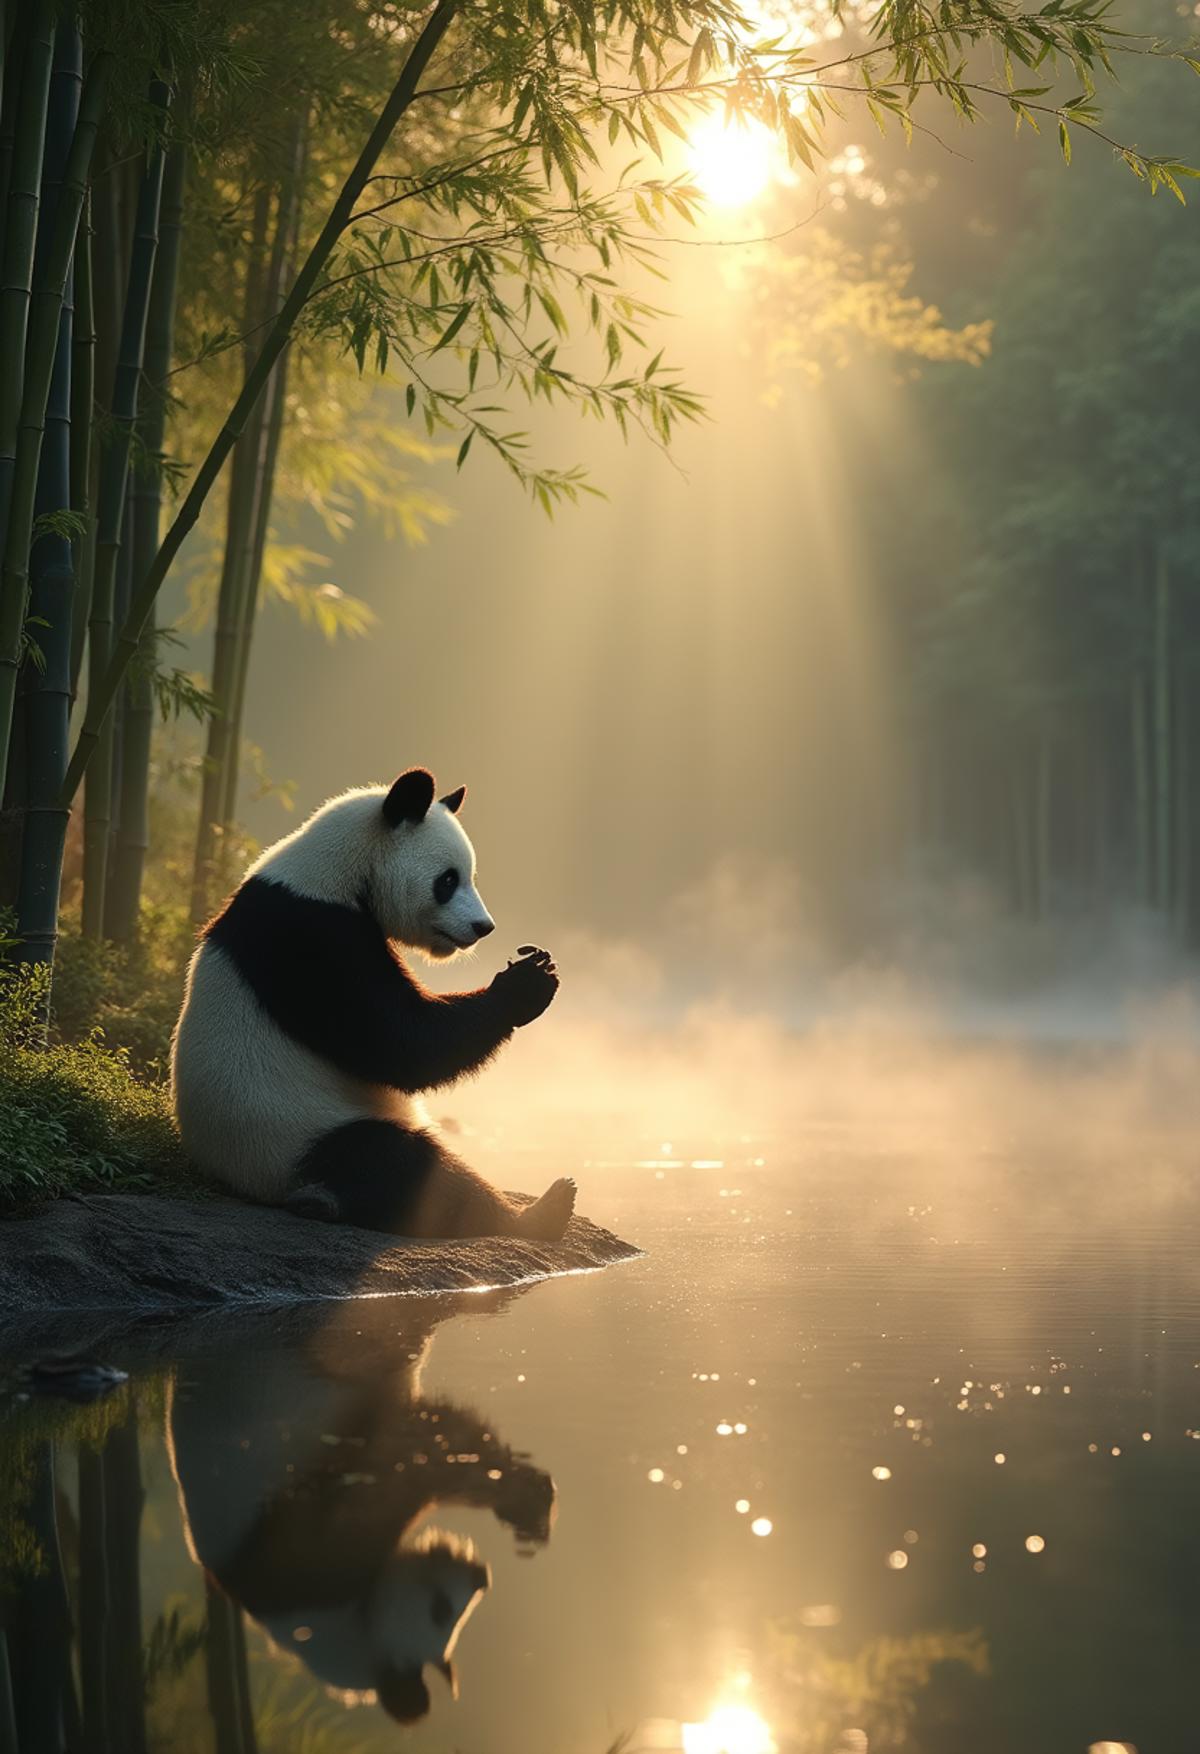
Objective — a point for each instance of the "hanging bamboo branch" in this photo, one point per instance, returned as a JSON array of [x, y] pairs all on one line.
[[39, 366], [102, 697], [114, 476], [48, 699], [145, 501]]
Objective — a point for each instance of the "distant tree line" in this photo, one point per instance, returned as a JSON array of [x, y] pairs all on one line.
[[1041, 544]]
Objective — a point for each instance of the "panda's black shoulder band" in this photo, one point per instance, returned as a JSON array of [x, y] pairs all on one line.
[[326, 975]]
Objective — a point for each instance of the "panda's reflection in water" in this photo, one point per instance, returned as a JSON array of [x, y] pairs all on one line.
[[306, 1481]]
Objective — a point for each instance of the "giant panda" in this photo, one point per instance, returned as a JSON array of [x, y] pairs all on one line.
[[304, 1039]]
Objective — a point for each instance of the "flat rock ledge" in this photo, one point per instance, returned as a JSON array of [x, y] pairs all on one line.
[[146, 1253]]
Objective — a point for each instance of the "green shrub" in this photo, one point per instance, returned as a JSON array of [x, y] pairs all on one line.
[[73, 1116], [131, 992]]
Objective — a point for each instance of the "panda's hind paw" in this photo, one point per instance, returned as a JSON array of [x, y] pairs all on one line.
[[546, 1219], [314, 1200]]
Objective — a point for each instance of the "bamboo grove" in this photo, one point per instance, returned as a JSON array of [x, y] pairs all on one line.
[[1037, 549], [213, 215]]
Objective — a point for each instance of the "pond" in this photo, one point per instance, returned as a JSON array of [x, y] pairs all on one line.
[[863, 1454]]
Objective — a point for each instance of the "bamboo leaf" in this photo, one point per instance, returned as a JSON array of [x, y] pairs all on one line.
[[453, 327]]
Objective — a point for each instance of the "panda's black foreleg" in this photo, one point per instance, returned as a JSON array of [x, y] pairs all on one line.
[[382, 1176]]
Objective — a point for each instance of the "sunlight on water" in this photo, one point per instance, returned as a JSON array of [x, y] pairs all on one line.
[[729, 1729]]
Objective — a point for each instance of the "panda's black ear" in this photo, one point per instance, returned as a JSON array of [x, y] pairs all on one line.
[[453, 800], [410, 798], [403, 1694]]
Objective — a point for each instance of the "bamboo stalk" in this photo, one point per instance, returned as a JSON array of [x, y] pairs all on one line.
[[124, 1499], [39, 367], [1162, 733], [114, 197], [278, 337], [20, 237], [1183, 812], [239, 518], [122, 588], [222, 1671], [94, 1600], [48, 697], [83, 408], [46, 1675], [146, 505], [245, 1689], [270, 436], [114, 476], [14, 41], [270, 443], [9, 1743], [1020, 841], [46, 1708], [1042, 826], [1141, 790], [1101, 811]]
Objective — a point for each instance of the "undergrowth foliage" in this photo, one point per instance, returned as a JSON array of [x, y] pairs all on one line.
[[74, 1117]]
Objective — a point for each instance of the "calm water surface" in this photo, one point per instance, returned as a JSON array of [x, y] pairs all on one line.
[[860, 1456]]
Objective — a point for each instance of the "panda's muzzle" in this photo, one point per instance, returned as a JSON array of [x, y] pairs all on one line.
[[477, 928]]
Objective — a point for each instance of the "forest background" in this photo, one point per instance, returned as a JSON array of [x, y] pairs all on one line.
[[929, 652]]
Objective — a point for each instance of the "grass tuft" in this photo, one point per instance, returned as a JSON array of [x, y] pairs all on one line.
[[74, 1118]]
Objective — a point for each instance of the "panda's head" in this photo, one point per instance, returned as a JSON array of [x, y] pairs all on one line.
[[423, 883], [416, 1611]]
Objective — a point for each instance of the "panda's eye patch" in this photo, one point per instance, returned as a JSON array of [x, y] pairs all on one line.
[[444, 886]]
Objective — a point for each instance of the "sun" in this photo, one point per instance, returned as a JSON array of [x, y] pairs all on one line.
[[732, 161]]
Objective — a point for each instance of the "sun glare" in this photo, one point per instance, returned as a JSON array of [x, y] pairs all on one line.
[[732, 161], [730, 1729]]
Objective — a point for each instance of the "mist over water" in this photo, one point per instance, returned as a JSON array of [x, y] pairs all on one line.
[[982, 1035]]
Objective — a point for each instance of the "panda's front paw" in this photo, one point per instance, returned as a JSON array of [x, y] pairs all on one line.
[[526, 987]]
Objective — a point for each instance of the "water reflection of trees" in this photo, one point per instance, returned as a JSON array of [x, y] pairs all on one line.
[[71, 1565], [321, 1454], [871, 1699]]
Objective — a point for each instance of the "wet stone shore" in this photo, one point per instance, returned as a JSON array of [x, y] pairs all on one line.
[[147, 1253]]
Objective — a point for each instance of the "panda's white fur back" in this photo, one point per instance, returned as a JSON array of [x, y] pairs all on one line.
[[249, 1099]]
